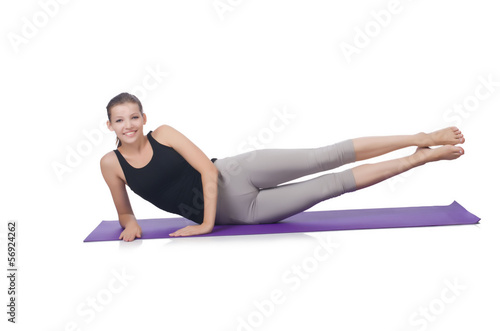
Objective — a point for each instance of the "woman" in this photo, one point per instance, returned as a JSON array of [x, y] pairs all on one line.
[[167, 169]]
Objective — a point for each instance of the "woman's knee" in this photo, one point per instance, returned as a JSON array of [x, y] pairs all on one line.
[[342, 182], [336, 155]]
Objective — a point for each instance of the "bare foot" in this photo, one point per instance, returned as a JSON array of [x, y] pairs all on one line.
[[425, 154], [447, 136]]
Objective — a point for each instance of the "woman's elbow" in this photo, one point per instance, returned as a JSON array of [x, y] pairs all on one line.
[[211, 172]]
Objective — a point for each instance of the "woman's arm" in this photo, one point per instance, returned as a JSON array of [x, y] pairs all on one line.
[[109, 169], [209, 176]]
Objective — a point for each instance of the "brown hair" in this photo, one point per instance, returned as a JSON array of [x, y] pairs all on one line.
[[121, 99]]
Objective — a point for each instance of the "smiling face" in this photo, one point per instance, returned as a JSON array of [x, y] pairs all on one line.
[[127, 121]]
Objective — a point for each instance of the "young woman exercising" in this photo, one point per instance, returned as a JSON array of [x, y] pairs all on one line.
[[167, 169]]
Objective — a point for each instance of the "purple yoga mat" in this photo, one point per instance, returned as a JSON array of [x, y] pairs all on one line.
[[331, 220]]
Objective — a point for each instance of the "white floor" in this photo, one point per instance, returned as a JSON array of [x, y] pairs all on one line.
[[433, 278], [267, 72]]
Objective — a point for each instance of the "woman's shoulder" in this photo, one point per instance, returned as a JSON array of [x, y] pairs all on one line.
[[109, 160], [163, 134]]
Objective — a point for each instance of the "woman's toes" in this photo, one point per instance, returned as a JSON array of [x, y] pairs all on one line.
[[457, 151]]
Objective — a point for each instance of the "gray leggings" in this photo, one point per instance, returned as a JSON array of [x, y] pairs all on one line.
[[248, 191]]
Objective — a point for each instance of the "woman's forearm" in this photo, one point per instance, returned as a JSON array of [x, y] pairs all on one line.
[[126, 219], [209, 181]]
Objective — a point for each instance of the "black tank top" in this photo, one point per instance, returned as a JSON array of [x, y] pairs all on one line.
[[168, 181]]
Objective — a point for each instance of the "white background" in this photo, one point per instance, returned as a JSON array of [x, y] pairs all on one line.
[[221, 75]]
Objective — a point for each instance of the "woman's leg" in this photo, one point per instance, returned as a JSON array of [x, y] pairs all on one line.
[[275, 204], [369, 174], [369, 147], [267, 168], [270, 167], [246, 179], [249, 191]]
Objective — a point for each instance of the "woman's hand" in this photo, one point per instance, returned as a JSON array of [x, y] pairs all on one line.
[[132, 230], [192, 230]]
